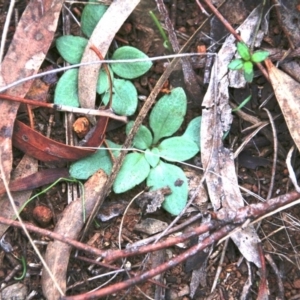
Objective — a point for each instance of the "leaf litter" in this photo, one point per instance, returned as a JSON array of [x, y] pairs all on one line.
[[222, 124]]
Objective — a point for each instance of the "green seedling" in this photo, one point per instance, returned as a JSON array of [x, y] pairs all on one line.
[[24, 269], [166, 43], [242, 104], [71, 48], [151, 160], [247, 59], [71, 180]]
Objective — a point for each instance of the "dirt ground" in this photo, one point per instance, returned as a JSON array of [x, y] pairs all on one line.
[[219, 271]]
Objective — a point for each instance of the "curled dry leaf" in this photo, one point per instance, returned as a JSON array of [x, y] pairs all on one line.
[[58, 253], [45, 149], [287, 92]]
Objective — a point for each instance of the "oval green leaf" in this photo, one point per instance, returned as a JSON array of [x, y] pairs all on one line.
[[152, 157], [124, 99], [91, 15], [113, 147], [192, 131], [66, 91], [168, 113], [169, 175], [134, 170], [143, 137], [132, 69], [178, 148], [259, 56], [243, 51], [236, 64], [103, 82], [248, 71], [87, 166], [71, 48]]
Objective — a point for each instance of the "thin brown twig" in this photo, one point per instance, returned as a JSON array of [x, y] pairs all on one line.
[[87, 111], [263, 286], [155, 271], [275, 141], [271, 262]]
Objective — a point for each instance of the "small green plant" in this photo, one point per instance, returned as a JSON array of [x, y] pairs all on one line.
[[247, 59], [166, 43], [71, 48], [150, 163]]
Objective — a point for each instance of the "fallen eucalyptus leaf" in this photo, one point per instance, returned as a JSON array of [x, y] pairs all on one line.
[[287, 92]]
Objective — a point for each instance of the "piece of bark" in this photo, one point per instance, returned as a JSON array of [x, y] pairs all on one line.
[[221, 178], [28, 49], [58, 253]]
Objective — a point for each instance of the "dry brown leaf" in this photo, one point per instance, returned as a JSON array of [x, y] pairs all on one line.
[[102, 37], [221, 179], [27, 166], [58, 253], [25, 55], [42, 148], [287, 92]]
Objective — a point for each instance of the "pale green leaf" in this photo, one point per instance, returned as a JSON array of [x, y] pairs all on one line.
[[243, 51], [124, 99], [132, 69], [259, 56], [71, 48], [103, 81], [143, 137], [114, 148], [87, 166], [172, 176], [66, 91], [134, 170], [90, 17], [152, 156], [168, 113], [178, 148], [236, 64], [248, 71], [193, 131]]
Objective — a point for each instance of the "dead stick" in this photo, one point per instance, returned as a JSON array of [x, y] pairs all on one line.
[[84, 111], [155, 271]]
